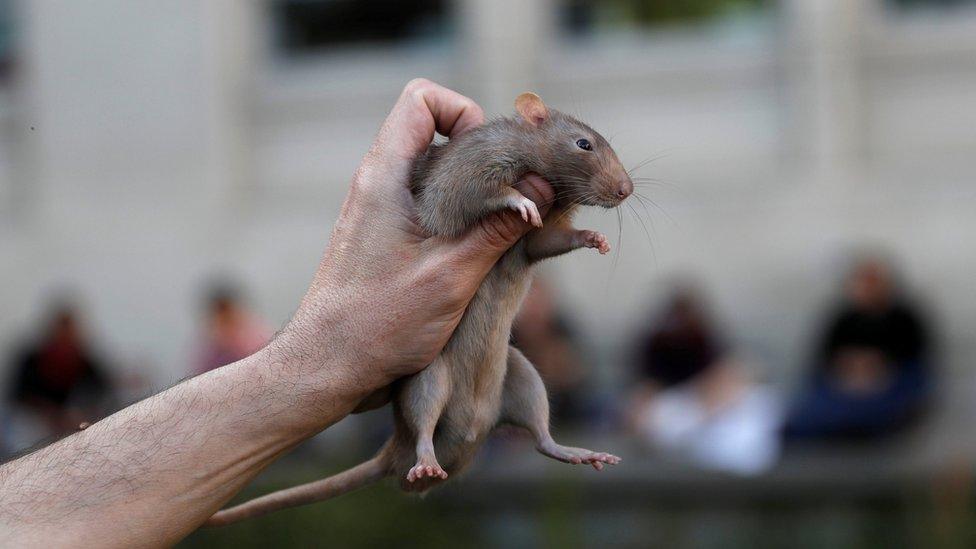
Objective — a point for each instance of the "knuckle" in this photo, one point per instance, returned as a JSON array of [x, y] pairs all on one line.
[[468, 104], [500, 230], [417, 86], [443, 280], [362, 193], [432, 278], [456, 293]]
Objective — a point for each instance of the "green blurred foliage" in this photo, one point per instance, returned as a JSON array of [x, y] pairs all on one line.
[[929, 4], [584, 15], [559, 511], [650, 12], [377, 516]]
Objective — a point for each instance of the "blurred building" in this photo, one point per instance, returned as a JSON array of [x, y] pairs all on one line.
[[143, 146]]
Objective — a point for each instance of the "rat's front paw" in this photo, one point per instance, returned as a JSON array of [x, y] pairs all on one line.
[[593, 239], [525, 207]]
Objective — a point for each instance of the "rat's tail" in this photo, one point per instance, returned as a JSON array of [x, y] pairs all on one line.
[[365, 473]]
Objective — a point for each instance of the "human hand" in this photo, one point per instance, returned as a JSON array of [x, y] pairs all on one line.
[[861, 370], [384, 301], [386, 297]]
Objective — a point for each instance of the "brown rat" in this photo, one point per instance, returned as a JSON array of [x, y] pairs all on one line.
[[444, 413]]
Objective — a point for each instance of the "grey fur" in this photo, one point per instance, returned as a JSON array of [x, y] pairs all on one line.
[[444, 413]]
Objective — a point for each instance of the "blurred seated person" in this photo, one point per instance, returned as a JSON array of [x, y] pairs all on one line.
[[546, 337], [680, 344], [871, 376], [58, 383], [231, 331], [694, 400]]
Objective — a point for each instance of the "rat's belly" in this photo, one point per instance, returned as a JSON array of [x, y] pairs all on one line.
[[477, 358], [479, 346]]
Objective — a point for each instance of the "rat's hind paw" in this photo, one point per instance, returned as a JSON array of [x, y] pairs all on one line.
[[426, 467], [593, 239], [525, 207], [577, 456], [597, 459]]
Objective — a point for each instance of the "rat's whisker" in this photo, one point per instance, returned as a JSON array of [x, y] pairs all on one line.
[[569, 209], [641, 198], [663, 183], [647, 233], [620, 239], [645, 162]]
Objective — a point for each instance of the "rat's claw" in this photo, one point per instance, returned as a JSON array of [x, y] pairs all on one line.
[[527, 209]]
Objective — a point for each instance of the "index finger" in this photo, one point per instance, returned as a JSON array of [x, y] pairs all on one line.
[[425, 107], [453, 113]]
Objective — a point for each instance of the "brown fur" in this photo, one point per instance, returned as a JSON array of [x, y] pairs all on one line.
[[444, 413]]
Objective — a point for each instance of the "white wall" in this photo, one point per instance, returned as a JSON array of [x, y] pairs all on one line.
[[125, 193], [169, 148]]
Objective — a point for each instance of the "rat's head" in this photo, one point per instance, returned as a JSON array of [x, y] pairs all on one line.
[[579, 162]]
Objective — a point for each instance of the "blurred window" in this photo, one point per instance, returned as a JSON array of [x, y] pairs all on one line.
[[7, 36], [928, 4], [583, 17], [311, 26], [6, 40]]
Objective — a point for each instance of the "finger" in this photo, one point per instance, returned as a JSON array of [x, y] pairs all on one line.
[[536, 216], [453, 113], [422, 108], [481, 246], [425, 107], [537, 190]]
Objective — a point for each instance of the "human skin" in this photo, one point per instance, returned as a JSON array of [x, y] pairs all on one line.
[[384, 301]]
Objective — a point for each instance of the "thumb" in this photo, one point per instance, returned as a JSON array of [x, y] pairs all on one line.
[[484, 243]]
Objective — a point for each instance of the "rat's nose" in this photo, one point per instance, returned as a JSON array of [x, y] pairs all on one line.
[[625, 188]]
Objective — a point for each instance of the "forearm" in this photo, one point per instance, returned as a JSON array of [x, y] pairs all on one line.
[[384, 302], [156, 470]]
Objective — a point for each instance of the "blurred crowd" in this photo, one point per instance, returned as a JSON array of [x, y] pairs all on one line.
[[868, 374], [694, 395], [59, 382], [691, 393]]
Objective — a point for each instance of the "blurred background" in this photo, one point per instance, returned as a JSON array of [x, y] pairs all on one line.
[[780, 347]]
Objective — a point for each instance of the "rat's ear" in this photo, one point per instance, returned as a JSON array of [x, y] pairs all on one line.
[[532, 109]]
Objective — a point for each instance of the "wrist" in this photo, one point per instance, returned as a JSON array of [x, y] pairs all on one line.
[[314, 358]]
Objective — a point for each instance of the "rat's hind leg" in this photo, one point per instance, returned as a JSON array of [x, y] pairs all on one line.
[[422, 402], [525, 404]]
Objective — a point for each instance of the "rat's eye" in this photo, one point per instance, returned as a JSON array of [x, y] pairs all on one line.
[[584, 144]]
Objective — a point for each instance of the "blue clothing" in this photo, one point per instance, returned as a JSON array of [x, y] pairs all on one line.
[[824, 411], [898, 334]]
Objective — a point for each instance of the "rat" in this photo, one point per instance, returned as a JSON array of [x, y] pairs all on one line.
[[444, 413]]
